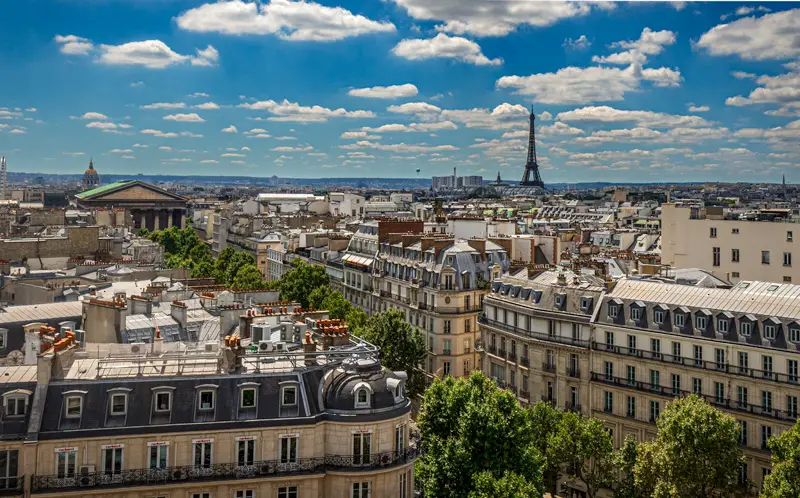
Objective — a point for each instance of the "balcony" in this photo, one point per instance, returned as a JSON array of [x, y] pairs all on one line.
[[385, 293], [512, 357], [724, 403], [422, 306], [220, 472], [573, 407], [446, 352], [492, 349], [12, 486], [701, 364], [457, 310], [549, 367], [531, 334], [525, 362], [525, 395], [502, 353], [574, 372], [549, 400]]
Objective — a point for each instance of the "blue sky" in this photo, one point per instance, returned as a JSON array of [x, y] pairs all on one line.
[[623, 91]]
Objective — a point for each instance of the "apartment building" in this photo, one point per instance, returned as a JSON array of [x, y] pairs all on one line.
[[536, 331], [737, 348], [439, 282], [282, 417], [733, 246]]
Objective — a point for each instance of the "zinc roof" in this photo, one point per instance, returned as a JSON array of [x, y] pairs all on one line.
[[38, 312]]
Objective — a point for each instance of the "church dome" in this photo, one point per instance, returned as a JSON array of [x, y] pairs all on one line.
[[90, 171]]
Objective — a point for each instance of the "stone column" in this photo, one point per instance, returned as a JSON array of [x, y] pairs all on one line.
[[170, 218], [183, 219], [156, 220], [149, 219]]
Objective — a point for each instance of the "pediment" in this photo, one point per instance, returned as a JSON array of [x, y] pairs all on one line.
[[137, 192]]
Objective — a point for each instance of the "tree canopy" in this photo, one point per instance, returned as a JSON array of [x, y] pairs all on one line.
[[298, 283], [585, 448], [476, 437], [695, 453], [249, 277], [784, 480]]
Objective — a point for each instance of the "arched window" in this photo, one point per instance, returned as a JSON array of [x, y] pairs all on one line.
[[363, 393]]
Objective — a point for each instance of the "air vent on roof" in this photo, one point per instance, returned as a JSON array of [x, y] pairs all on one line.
[[137, 348], [264, 347]]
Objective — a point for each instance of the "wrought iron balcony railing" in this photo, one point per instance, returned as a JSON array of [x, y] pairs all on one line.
[[532, 334], [549, 367], [220, 471]]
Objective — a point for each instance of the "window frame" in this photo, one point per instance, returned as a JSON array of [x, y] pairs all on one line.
[[284, 390], [124, 403], [213, 405], [242, 391], [16, 398], [67, 413], [169, 402], [770, 331]]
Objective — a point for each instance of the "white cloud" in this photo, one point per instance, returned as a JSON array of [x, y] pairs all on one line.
[[31, 109], [233, 154], [136, 83], [165, 148], [698, 108], [649, 43], [17, 131], [101, 125], [255, 131], [206, 57], [494, 18], [292, 149], [158, 133], [401, 147], [772, 36], [444, 47], [177, 160], [74, 45], [544, 116], [649, 119], [621, 135], [190, 134], [294, 112], [230, 129], [285, 138], [125, 126], [741, 75], [74, 154], [559, 128], [6, 114], [238, 162], [120, 151], [199, 95], [95, 116], [413, 127], [573, 85], [127, 157], [385, 92], [209, 161], [363, 135], [140, 146], [165, 105], [290, 20], [246, 149], [789, 132], [780, 89], [185, 118], [207, 106], [580, 43], [422, 109]]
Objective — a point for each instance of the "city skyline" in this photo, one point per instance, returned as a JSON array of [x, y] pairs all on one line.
[[622, 92]]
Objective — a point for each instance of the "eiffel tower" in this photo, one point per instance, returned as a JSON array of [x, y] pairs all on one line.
[[531, 178]]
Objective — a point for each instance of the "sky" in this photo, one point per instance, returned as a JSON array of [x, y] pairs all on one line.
[[622, 92]]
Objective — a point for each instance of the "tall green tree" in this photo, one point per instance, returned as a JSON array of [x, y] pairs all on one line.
[[585, 447], [238, 260], [625, 461], [545, 420], [696, 452], [509, 485], [338, 307], [221, 264], [470, 427], [203, 269], [402, 347], [784, 480], [318, 295], [298, 283], [249, 277]]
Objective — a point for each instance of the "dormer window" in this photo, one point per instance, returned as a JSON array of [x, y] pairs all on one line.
[[745, 329], [636, 314], [247, 397], [163, 401], [722, 325], [363, 395], [206, 400], [700, 322], [289, 396], [770, 331], [613, 310], [119, 404], [558, 299], [658, 317], [74, 407], [586, 303], [15, 403], [537, 296], [794, 334], [680, 319]]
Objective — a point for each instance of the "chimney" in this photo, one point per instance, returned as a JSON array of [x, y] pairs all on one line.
[[140, 305], [179, 312], [158, 343], [309, 346], [479, 245], [561, 279]]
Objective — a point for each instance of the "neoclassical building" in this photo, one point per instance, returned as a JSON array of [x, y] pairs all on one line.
[[149, 206], [90, 177]]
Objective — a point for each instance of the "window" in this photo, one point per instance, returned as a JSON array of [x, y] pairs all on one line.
[[158, 455], [74, 406], [16, 406], [246, 493], [719, 358], [764, 257], [713, 233], [586, 302], [658, 317], [361, 490], [680, 319], [766, 363], [608, 367], [636, 313], [247, 397], [743, 472], [770, 331], [287, 492], [719, 392], [447, 329], [791, 406], [676, 384], [715, 256], [66, 459], [697, 385], [445, 368], [361, 448], [788, 236], [791, 370], [735, 231], [741, 396], [558, 300], [4, 334], [362, 398], [289, 448], [631, 374], [163, 401], [608, 401], [787, 279], [203, 449], [9, 469], [745, 329], [698, 355], [655, 410], [655, 378], [743, 432], [201, 495], [722, 325], [446, 346], [613, 310], [735, 274], [787, 259], [112, 460], [289, 396], [631, 406], [700, 322], [676, 351], [245, 451], [404, 485], [655, 347], [766, 401], [631, 343], [794, 334], [206, 400], [735, 255], [766, 433], [119, 404], [400, 438], [744, 362]]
